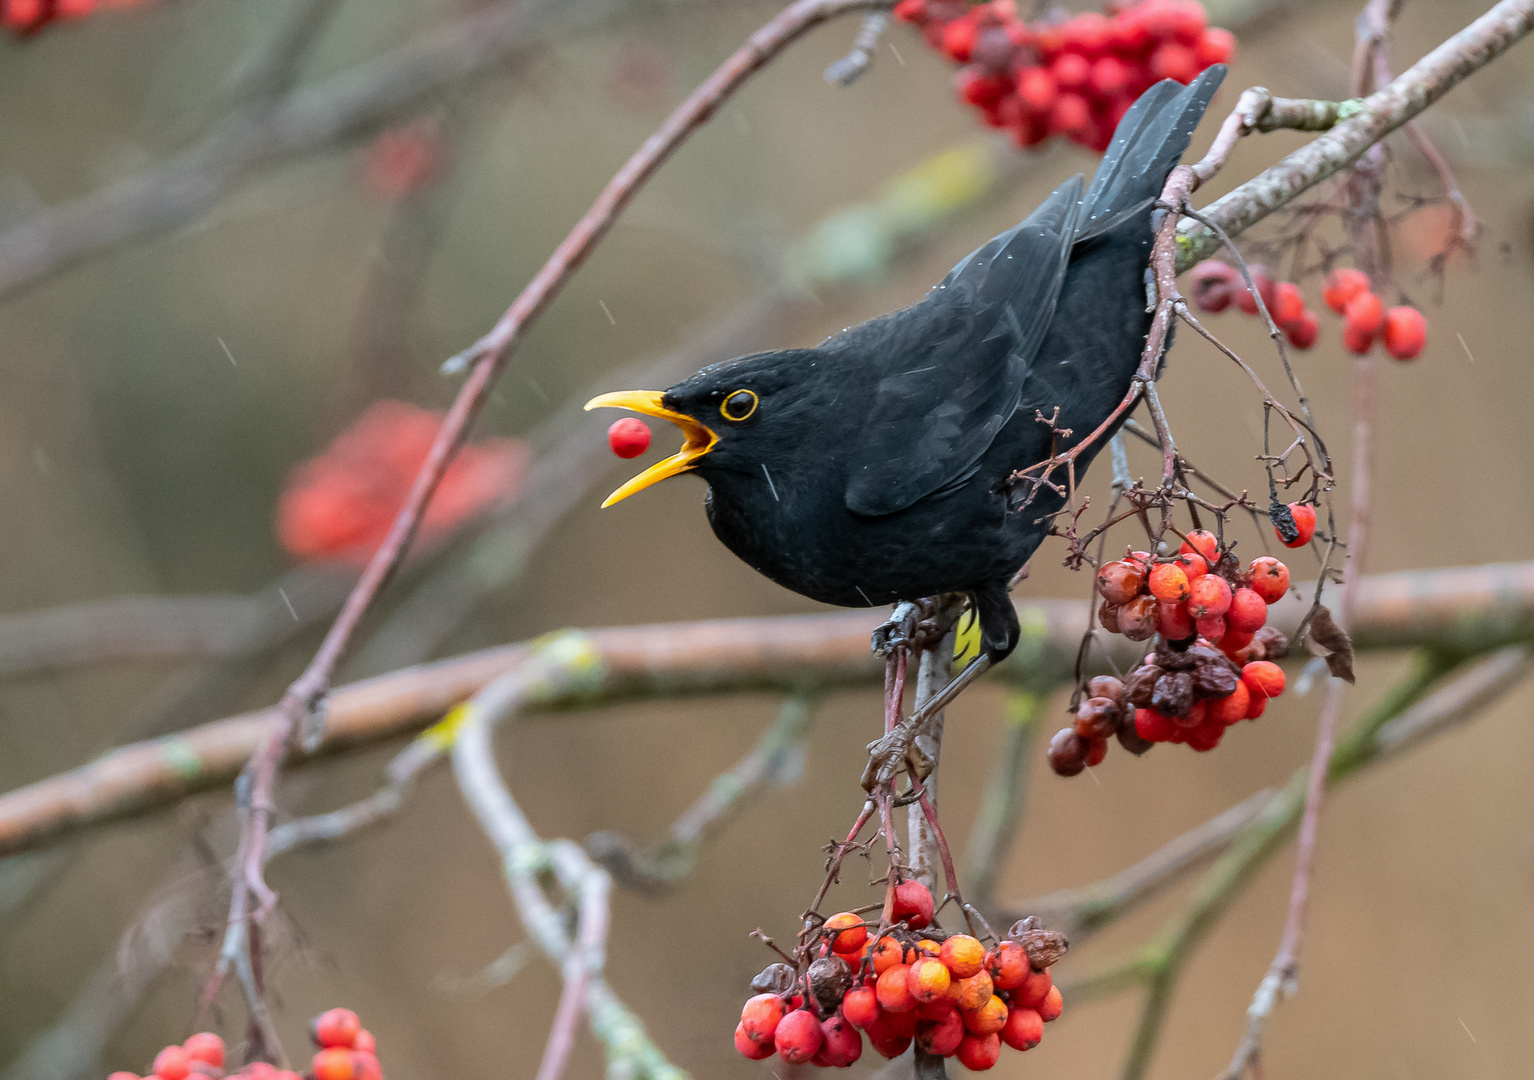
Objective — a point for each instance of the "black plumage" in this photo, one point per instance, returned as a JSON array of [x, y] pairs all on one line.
[[873, 468]]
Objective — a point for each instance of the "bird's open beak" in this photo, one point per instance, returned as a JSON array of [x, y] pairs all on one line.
[[699, 439]]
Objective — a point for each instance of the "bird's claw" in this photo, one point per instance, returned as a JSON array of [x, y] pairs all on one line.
[[899, 630]]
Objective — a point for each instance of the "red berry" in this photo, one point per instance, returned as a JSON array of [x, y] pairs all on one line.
[[1304, 515], [860, 1006], [913, 904], [1110, 77], [797, 1039], [1036, 986], [1053, 1005], [365, 1041], [1234, 641], [334, 1063], [941, 1037], [1173, 61], [979, 1052], [1270, 578], [1211, 628], [1151, 726], [205, 1047], [1024, 1030], [1071, 71], [1192, 564], [629, 437], [1247, 612], [888, 1039], [1215, 46], [1203, 542], [1342, 285], [1256, 705], [911, 11], [1173, 623], [1405, 332], [1304, 331], [365, 1066], [1208, 596], [1365, 312], [1168, 583], [1070, 114], [754, 1050], [1120, 582], [894, 991], [1137, 619], [121, 1075], [335, 1027], [172, 1063], [1232, 707], [1087, 33], [840, 1043], [1007, 965], [760, 1016], [959, 39], [1206, 735], [1036, 89], [1263, 678], [1214, 284], [1288, 303], [1356, 341]]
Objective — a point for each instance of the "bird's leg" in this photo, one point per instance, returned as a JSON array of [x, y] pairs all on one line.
[[899, 630], [887, 755]]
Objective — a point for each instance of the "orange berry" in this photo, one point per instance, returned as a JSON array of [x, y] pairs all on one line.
[[928, 979], [173, 1063], [797, 1039], [928, 947], [894, 991], [840, 1044], [1120, 582], [886, 954], [1263, 678], [335, 1027], [1270, 578], [754, 1050], [1232, 707], [913, 904], [1208, 596], [334, 1063], [1168, 583], [1247, 612], [990, 1017], [205, 1047], [979, 1052], [942, 1036], [846, 932], [936, 1010], [1024, 1029], [1053, 1005], [975, 991], [1342, 285], [963, 955], [860, 1006], [1007, 965], [761, 1015], [1405, 332], [1036, 986]]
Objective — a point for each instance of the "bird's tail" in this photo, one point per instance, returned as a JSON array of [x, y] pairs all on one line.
[[1146, 145]]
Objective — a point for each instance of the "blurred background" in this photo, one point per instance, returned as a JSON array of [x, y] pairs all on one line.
[[158, 392]]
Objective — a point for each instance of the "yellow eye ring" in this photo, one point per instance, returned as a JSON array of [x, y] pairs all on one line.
[[735, 401]]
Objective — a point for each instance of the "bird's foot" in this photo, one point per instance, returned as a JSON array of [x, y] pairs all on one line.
[[902, 746], [913, 625]]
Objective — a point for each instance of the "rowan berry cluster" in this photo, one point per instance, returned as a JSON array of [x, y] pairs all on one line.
[[1074, 76], [946, 992], [347, 1051], [1212, 664], [1402, 330]]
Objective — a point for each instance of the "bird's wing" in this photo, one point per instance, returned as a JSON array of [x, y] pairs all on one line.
[[956, 361]]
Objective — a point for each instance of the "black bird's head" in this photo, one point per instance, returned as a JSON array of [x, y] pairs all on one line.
[[734, 416]]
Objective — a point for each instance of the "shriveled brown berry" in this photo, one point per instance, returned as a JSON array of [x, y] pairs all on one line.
[[1275, 644], [1213, 680], [1106, 686], [1121, 581], [1129, 737], [1044, 947], [1096, 718], [1174, 694], [1097, 749], [830, 977], [1067, 752], [1108, 616], [773, 979], [1141, 684], [1137, 619]]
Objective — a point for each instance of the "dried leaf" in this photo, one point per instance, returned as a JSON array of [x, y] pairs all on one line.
[[1325, 632]]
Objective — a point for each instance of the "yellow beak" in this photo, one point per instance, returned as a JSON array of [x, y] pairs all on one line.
[[699, 439]]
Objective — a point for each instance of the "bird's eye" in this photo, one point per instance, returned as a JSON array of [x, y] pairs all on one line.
[[738, 406]]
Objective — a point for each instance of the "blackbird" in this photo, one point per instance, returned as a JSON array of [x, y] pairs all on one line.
[[874, 467]]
